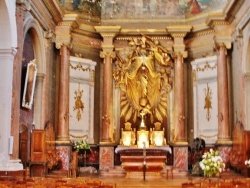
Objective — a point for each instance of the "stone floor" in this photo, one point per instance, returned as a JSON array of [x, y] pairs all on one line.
[[158, 181]]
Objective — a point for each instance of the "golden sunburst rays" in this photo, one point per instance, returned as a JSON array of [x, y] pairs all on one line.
[[159, 111], [144, 76]]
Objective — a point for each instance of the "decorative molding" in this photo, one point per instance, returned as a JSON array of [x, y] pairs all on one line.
[[179, 29], [208, 136], [139, 37], [108, 31], [205, 67], [203, 32], [49, 34], [79, 67]]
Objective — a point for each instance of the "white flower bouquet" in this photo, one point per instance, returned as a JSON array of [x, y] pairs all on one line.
[[247, 162], [212, 164]]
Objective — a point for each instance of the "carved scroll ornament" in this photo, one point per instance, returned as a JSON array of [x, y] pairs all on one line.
[[143, 72]]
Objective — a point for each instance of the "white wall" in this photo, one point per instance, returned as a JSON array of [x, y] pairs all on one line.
[[205, 71], [8, 44]]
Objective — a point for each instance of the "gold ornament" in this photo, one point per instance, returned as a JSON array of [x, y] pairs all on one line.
[[143, 74]]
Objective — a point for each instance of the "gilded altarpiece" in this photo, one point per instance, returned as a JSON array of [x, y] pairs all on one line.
[[143, 74], [81, 98], [205, 99]]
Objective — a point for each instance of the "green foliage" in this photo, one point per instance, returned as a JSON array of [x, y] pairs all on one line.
[[81, 144]]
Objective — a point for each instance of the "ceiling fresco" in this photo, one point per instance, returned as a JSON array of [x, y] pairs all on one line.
[[142, 9]]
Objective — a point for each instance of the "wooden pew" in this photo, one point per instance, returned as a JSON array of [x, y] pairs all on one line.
[[240, 150], [44, 156]]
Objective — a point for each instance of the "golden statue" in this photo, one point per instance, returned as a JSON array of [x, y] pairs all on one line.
[[79, 106], [208, 102], [144, 77]]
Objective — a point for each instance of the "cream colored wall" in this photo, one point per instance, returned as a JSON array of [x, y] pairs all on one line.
[[205, 84], [82, 72], [240, 73], [8, 38]]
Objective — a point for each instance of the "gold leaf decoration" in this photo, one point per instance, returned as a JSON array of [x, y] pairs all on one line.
[[144, 75], [79, 106]]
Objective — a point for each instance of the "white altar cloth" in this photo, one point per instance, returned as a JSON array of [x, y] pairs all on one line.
[[164, 148]]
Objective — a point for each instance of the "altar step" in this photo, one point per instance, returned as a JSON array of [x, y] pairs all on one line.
[[117, 171]]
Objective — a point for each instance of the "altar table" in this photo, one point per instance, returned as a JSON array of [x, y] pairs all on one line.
[[151, 159]]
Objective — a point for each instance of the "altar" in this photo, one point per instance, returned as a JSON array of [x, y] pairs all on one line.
[[152, 159]]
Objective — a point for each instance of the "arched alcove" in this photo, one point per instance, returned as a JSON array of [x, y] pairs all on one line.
[[33, 29]]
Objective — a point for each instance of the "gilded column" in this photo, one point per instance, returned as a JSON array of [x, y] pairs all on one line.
[[63, 112], [107, 108], [223, 98]]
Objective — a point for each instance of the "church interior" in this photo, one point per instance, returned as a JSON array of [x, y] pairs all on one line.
[[114, 93]]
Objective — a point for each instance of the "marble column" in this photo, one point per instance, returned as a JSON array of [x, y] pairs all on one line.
[[179, 102], [107, 108], [106, 155], [63, 112], [63, 145], [179, 139], [223, 98], [108, 33]]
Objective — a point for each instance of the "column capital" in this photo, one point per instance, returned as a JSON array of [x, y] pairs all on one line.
[[25, 4], [11, 52], [223, 32], [64, 28], [108, 33], [178, 33], [223, 41], [103, 54], [179, 53]]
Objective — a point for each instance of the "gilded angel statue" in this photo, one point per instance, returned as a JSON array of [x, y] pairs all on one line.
[[144, 77]]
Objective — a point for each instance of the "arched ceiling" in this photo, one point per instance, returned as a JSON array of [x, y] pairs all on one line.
[[152, 15], [197, 19]]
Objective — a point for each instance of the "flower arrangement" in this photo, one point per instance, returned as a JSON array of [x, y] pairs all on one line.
[[247, 163], [81, 144], [212, 164]]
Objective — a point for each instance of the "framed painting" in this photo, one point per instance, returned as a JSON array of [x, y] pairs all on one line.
[[29, 87]]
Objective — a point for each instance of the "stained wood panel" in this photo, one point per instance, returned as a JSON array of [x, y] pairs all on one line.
[[38, 146]]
